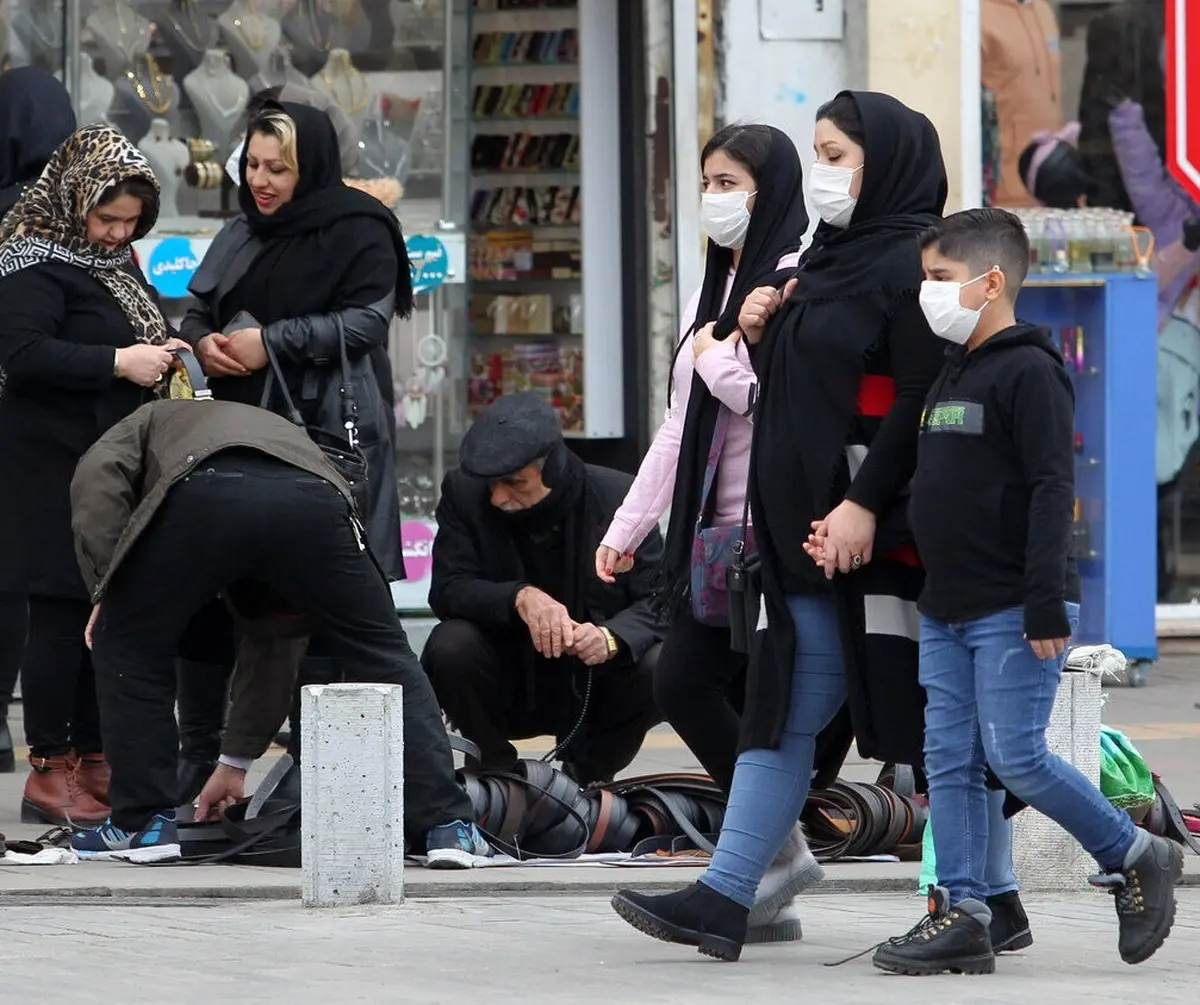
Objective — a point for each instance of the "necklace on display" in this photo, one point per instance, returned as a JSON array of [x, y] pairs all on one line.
[[255, 39], [199, 39], [316, 35], [232, 110], [158, 97], [353, 104], [129, 48], [48, 33]]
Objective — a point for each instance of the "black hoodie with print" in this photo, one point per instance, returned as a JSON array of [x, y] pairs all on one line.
[[994, 489]]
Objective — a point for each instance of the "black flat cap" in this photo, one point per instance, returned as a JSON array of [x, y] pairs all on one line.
[[510, 433]]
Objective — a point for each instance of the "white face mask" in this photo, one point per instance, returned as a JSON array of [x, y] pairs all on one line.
[[946, 315], [726, 218], [234, 164], [829, 193]]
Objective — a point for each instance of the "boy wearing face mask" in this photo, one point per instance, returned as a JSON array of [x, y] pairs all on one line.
[[991, 508]]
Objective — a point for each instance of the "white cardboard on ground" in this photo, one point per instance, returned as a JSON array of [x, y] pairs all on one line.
[[352, 790]]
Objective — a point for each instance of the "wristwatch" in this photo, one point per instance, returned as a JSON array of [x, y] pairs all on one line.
[[613, 645]]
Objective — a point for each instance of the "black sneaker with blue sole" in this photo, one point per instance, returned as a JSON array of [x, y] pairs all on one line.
[[455, 845], [158, 841]]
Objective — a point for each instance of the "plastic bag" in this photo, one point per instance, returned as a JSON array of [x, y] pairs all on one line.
[[1125, 777]]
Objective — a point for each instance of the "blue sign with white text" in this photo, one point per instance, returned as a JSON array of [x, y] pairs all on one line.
[[429, 262], [171, 266]]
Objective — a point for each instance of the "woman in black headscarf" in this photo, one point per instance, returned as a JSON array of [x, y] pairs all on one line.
[[844, 367], [306, 253], [753, 211], [35, 117]]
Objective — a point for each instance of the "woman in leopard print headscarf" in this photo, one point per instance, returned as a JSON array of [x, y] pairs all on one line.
[[82, 344]]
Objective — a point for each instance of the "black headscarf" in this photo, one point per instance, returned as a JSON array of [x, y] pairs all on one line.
[[813, 354], [777, 225], [35, 118], [294, 232]]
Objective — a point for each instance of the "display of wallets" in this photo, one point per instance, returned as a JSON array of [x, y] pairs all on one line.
[[526, 101], [551, 205], [510, 48], [528, 152]]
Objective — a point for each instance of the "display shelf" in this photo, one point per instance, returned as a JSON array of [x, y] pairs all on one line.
[[1115, 394], [567, 228]]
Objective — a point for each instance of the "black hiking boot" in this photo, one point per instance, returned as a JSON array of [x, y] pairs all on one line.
[[1010, 925], [1145, 895], [947, 939], [695, 916]]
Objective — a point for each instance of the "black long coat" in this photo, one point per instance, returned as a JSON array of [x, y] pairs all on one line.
[[368, 285], [477, 569], [58, 330]]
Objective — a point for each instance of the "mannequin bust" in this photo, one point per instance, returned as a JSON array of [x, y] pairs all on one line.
[[278, 72], [121, 35], [95, 93], [142, 92], [187, 32], [219, 97], [309, 28], [39, 28], [341, 82], [168, 158], [384, 152], [250, 35]]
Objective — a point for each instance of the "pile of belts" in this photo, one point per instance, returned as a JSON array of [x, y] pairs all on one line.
[[538, 812]]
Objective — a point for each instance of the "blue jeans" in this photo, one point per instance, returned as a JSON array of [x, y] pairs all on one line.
[[998, 875], [989, 700], [770, 787]]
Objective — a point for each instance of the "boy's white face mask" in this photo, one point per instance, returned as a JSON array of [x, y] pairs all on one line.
[[946, 315]]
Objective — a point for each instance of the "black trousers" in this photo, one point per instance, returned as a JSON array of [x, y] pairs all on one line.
[[480, 678], [14, 627], [253, 519], [58, 687], [700, 686]]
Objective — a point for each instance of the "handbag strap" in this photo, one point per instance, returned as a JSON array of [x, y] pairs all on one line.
[[195, 373], [345, 388], [707, 500]]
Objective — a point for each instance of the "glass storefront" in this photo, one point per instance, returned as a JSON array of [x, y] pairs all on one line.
[[476, 120], [1074, 128]]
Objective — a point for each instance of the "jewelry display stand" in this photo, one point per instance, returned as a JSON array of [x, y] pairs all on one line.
[[384, 153], [278, 72], [168, 158], [250, 35], [121, 34], [219, 97], [95, 93], [341, 82], [38, 27], [309, 28], [187, 32]]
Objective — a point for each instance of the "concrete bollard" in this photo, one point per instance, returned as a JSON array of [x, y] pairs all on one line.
[[1045, 856], [352, 792]]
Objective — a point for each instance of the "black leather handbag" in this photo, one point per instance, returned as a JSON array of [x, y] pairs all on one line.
[[743, 582], [340, 448]]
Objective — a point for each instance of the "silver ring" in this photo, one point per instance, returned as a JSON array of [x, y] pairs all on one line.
[[856, 562], [158, 379]]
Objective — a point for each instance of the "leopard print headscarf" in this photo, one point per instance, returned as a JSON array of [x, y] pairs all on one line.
[[49, 223]]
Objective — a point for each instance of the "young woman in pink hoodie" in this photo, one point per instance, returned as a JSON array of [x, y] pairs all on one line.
[[753, 211]]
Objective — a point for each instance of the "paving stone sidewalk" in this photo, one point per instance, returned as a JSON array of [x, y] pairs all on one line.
[[537, 951]]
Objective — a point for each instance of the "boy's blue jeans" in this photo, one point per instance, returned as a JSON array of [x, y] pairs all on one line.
[[989, 700]]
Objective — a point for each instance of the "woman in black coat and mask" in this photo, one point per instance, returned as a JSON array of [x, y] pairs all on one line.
[[306, 253], [35, 117], [844, 366]]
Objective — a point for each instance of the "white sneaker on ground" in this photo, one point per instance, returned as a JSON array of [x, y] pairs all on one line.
[[794, 870]]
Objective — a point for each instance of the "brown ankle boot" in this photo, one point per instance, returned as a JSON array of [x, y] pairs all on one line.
[[53, 795], [94, 774]]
